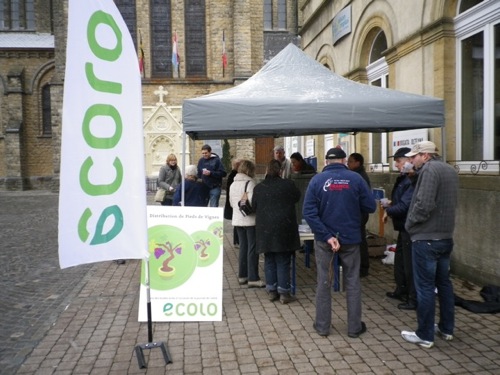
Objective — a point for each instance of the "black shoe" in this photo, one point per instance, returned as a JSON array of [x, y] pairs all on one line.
[[273, 296], [324, 334], [395, 295], [120, 261], [407, 306], [286, 298], [360, 332], [363, 273]]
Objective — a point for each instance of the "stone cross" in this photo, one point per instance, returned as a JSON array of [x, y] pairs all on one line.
[[160, 92]]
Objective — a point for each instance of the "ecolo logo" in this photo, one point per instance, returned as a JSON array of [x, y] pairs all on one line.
[[97, 113], [190, 309]]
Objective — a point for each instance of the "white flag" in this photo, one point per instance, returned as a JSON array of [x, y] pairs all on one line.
[[102, 201]]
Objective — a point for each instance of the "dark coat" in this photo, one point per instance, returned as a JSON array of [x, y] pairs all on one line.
[[274, 202], [196, 194], [228, 210], [401, 198], [362, 172]]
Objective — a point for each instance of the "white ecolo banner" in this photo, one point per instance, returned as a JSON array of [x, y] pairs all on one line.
[[102, 200], [185, 264]]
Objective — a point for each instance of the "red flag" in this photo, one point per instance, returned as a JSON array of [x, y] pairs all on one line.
[[224, 55]]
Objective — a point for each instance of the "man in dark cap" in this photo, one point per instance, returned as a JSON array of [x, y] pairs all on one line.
[[333, 204], [397, 209]]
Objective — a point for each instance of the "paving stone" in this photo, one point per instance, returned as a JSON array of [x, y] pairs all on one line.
[[83, 319]]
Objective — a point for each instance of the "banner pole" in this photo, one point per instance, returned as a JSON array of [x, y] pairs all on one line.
[[139, 349]]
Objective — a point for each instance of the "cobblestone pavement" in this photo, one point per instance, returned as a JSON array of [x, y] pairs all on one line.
[[84, 320], [33, 289]]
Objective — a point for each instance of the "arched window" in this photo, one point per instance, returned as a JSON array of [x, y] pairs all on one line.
[[17, 15], [161, 38], [46, 111], [378, 75], [268, 14], [282, 14], [195, 25], [127, 9], [465, 5], [275, 8], [478, 80]]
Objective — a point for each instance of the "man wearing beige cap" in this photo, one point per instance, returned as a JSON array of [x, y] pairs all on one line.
[[430, 223]]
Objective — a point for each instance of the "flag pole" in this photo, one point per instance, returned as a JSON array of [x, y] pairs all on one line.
[[223, 53], [139, 349]]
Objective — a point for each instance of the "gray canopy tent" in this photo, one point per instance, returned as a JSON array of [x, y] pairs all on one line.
[[295, 95]]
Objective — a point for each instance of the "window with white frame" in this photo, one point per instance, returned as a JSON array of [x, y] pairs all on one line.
[[477, 26], [378, 75]]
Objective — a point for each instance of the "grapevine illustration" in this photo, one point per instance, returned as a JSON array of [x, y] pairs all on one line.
[[202, 246], [171, 250]]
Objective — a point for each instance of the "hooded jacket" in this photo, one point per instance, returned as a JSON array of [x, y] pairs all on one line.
[[217, 171]]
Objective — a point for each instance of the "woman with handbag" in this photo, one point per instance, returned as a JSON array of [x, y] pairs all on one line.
[[168, 179], [243, 220]]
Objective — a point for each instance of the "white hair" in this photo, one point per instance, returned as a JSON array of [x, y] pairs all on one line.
[[191, 170]]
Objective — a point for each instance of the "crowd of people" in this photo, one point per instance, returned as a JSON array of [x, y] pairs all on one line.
[[337, 205]]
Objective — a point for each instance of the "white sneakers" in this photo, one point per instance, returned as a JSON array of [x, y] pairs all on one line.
[[256, 284], [414, 339]]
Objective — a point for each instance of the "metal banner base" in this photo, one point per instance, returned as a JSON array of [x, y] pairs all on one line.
[[139, 351]]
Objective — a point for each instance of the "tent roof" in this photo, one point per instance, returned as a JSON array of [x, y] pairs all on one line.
[[295, 95]]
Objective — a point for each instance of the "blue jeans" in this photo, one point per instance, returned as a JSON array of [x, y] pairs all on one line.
[[431, 269], [277, 270], [214, 196], [350, 260], [248, 259]]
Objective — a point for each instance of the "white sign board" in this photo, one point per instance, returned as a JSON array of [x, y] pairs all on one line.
[[185, 264]]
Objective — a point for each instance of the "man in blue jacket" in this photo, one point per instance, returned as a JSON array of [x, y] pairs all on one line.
[[333, 204], [397, 210], [211, 171]]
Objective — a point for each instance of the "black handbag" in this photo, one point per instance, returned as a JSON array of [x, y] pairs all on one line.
[[244, 203]]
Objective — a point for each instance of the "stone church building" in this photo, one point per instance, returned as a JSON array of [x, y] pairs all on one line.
[[32, 60]]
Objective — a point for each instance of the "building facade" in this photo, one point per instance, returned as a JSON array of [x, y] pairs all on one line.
[[220, 43], [443, 48]]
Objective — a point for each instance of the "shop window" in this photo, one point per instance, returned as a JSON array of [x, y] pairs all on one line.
[[17, 15], [478, 80]]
